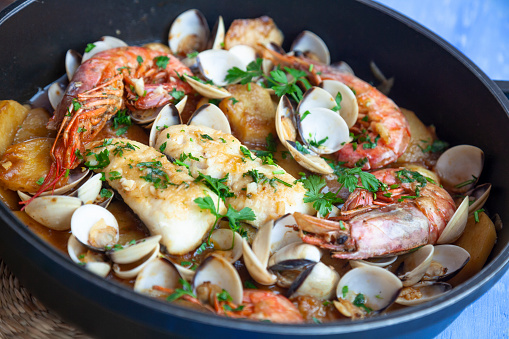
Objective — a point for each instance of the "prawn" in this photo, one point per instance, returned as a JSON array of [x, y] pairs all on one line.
[[102, 86], [408, 211], [261, 305], [381, 133]]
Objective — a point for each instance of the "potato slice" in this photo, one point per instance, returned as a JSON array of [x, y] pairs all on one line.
[[12, 115], [250, 112], [25, 163], [418, 132], [252, 32], [478, 239], [34, 126]]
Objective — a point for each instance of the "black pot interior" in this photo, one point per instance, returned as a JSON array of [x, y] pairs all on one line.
[[431, 78]]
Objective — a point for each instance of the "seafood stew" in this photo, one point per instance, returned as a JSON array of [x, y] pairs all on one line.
[[191, 164]]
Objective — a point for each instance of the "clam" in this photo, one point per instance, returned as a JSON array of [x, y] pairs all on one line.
[[312, 46], [415, 265], [188, 33], [422, 292], [459, 167], [207, 90], [319, 281], [456, 225], [315, 97], [131, 270], [53, 211], [186, 273], [168, 116], [105, 43], [215, 63], [219, 272], [256, 268], [324, 131], [113, 42], [74, 178], [210, 115], [349, 110], [158, 272], [157, 46], [308, 160], [77, 252], [343, 67], [448, 260], [376, 287], [385, 84], [379, 262], [217, 35], [72, 62], [296, 251], [56, 93], [246, 54], [227, 244], [131, 253], [95, 227], [478, 196], [89, 191], [104, 201]]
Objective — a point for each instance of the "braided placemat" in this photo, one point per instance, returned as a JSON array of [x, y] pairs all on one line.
[[23, 316]]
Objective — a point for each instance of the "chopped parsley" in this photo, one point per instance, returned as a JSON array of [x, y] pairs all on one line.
[[476, 214], [304, 115], [322, 202], [119, 149], [75, 104], [338, 100], [105, 193], [115, 175], [162, 147], [466, 183], [89, 47], [249, 284], [206, 136], [155, 174], [40, 181], [192, 55], [246, 152], [180, 292], [344, 291], [177, 95], [233, 100], [407, 176], [359, 301], [121, 119], [139, 59], [101, 160], [162, 61], [436, 147]]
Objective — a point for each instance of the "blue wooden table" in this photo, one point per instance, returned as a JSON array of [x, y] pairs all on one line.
[[479, 29]]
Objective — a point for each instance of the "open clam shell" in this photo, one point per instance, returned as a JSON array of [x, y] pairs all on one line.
[[217, 35], [349, 110], [158, 272], [415, 265], [127, 271], [72, 62], [422, 292], [315, 97], [128, 254], [378, 262], [210, 115], [56, 93], [95, 227], [309, 161], [448, 260], [53, 211], [220, 272], [296, 251], [207, 90], [105, 43], [257, 270], [215, 63], [285, 121], [478, 196], [312, 46], [459, 167], [456, 225], [227, 244], [188, 33], [76, 250], [246, 54], [113, 42], [319, 281], [379, 287], [75, 177], [89, 191], [168, 116]]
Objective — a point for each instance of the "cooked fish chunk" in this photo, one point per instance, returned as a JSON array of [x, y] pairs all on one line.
[[159, 192], [267, 189]]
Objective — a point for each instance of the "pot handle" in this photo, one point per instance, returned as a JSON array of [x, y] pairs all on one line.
[[504, 86]]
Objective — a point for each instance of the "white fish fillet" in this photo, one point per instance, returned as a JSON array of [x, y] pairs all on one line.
[[170, 212], [221, 156]]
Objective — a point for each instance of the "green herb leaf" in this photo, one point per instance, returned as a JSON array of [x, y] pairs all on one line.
[[321, 202], [89, 47], [139, 59], [105, 193], [162, 61], [180, 292], [101, 160]]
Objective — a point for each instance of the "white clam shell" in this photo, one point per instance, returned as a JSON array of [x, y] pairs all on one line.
[[72, 62], [296, 251], [451, 258], [128, 272], [186, 273], [215, 63], [478, 195], [379, 286], [207, 90], [75, 177], [428, 290], [379, 262], [113, 42], [310, 161], [218, 33], [246, 54], [220, 272], [89, 191], [100, 46], [456, 225], [285, 124], [223, 240], [319, 281], [168, 116], [75, 249], [85, 217], [458, 165], [326, 127], [189, 31], [210, 115], [158, 272], [315, 97], [309, 42], [349, 107], [53, 211], [257, 270], [415, 265], [132, 253], [56, 93]]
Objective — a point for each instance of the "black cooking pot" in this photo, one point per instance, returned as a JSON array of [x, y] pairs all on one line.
[[432, 78]]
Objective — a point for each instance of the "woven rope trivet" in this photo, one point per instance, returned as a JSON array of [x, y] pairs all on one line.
[[23, 316]]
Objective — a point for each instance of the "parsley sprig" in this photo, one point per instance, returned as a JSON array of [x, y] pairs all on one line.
[[322, 202], [180, 292]]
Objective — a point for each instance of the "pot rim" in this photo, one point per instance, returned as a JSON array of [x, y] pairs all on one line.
[[495, 267]]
